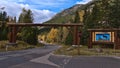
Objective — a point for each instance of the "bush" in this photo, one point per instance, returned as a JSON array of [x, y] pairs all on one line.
[[29, 35], [69, 39]]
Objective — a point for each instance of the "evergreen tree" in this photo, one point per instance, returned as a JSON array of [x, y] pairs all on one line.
[[26, 16], [114, 16], [99, 15], [28, 34], [69, 39], [96, 16], [14, 20], [3, 27], [20, 20]]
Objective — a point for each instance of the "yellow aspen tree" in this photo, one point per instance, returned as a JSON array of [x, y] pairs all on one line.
[[81, 13], [65, 33], [52, 35]]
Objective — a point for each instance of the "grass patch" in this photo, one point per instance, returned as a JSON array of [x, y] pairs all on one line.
[[84, 51], [20, 46]]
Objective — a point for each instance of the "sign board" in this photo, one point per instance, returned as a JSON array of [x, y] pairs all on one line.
[[102, 36]]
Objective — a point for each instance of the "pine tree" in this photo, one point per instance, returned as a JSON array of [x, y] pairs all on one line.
[[14, 20], [26, 16], [99, 15], [114, 15], [28, 34], [3, 27], [69, 39], [96, 16]]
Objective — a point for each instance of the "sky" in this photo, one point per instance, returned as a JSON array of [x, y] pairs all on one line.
[[42, 10]]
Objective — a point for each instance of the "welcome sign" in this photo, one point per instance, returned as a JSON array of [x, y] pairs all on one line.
[[103, 36]]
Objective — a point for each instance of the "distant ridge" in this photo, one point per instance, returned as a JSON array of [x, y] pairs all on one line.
[[68, 14], [65, 15]]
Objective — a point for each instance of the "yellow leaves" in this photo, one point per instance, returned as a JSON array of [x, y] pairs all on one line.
[[52, 35], [81, 14], [19, 34], [65, 33], [41, 37]]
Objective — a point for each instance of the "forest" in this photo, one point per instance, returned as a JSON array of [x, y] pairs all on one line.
[[96, 14]]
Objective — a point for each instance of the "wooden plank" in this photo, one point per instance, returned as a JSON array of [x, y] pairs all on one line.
[[31, 24]]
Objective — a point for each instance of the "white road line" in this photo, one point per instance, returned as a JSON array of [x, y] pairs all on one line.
[[44, 60], [2, 58]]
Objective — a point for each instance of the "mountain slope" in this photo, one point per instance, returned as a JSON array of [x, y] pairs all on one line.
[[66, 15]]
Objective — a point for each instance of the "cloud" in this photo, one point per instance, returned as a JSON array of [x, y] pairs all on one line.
[[43, 10], [14, 8], [83, 1], [49, 2], [42, 15]]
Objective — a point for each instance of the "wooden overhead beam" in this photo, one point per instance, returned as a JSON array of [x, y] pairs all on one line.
[[32, 24]]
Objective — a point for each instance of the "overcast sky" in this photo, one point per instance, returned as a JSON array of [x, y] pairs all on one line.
[[43, 10]]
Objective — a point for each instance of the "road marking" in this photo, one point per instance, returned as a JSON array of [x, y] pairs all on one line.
[[2, 58], [44, 60], [16, 55]]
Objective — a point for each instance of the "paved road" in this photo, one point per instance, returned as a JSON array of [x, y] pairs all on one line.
[[22, 59], [85, 62], [43, 58]]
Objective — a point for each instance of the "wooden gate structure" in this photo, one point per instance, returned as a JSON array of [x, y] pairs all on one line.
[[14, 26]]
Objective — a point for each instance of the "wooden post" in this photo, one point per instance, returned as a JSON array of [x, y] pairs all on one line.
[[79, 38], [78, 35], [14, 32], [115, 42], [90, 40], [12, 35], [76, 38], [75, 42]]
